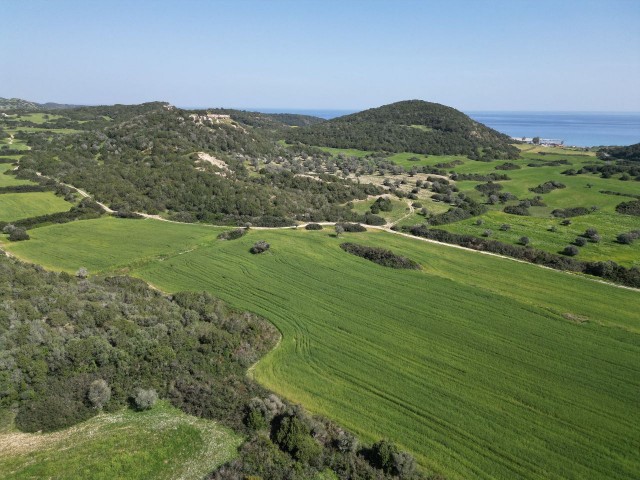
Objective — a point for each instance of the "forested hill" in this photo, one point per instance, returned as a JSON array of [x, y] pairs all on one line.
[[189, 165], [26, 105], [409, 126]]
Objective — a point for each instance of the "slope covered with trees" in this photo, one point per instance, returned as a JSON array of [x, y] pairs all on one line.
[[149, 158], [408, 126]]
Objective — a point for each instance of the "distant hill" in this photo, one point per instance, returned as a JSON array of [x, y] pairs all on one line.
[[20, 104], [269, 120], [412, 126]]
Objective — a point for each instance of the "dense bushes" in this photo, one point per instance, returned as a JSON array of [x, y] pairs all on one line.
[[351, 227], [517, 210], [313, 226], [381, 256], [607, 270], [629, 208], [508, 166], [26, 188], [259, 247], [547, 187], [570, 212], [232, 234], [60, 334]]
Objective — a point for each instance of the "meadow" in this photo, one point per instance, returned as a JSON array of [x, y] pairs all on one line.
[[482, 367], [541, 227], [161, 443], [15, 206], [10, 180]]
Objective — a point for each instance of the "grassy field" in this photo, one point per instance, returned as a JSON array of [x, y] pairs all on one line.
[[162, 443], [583, 190], [482, 367], [14, 206], [10, 180]]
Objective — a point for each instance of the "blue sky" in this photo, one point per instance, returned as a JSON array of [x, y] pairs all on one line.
[[571, 55]]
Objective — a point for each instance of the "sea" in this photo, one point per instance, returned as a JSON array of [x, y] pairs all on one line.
[[581, 129]]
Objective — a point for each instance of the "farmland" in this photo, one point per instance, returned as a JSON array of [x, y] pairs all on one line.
[[482, 367], [160, 443], [15, 206]]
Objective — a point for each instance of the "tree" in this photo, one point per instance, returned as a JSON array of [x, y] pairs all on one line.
[[18, 235], [536, 140], [339, 230], [99, 393], [580, 241], [524, 241], [571, 250], [382, 454], [259, 247], [145, 399]]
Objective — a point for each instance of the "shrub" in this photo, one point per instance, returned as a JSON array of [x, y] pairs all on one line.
[[570, 212], [259, 247], [505, 227], [629, 237], [145, 399], [351, 227], [313, 226], [524, 241], [82, 272], [487, 233], [570, 250], [233, 234], [565, 222], [629, 208], [547, 187], [99, 393], [381, 256], [517, 210], [580, 241], [18, 235]]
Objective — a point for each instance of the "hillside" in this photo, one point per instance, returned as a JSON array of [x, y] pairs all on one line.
[[409, 126], [20, 104], [630, 152]]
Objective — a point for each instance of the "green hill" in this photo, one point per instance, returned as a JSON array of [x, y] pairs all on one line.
[[409, 126], [20, 104]]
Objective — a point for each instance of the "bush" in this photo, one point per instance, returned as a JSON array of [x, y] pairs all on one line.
[[145, 399], [629, 208], [524, 241], [580, 241], [18, 235], [505, 227], [99, 393], [381, 256], [570, 212], [570, 250], [313, 226], [547, 187], [516, 210], [259, 247], [629, 237], [487, 233], [233, 234], [351, 227]]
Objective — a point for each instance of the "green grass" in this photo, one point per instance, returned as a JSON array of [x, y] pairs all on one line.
[[37, 117], [482, 367], [349, 152], [10, 180], [14, 206], [399, 209], [162, 443]]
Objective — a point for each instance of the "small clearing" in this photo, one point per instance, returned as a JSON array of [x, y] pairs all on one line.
[[216, 162]]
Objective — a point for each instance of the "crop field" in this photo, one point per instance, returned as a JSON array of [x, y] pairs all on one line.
[[161, 443], [14, 206], [480, 366]]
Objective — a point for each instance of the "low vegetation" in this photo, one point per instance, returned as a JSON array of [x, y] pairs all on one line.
[[381, 256]]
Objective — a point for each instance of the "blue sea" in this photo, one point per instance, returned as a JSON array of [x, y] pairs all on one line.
[[582, 129]]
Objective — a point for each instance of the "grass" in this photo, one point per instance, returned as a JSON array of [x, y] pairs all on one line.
[[399, 209], [581, 191], [15, 206], [162, 443], [482, 367], [10, 180]]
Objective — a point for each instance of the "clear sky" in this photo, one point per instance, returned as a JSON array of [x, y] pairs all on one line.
[[473, 55]]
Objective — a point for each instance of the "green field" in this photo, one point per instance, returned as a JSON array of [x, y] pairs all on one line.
[[10, 180], [162, 443], [15, 206], [482, 367], [583, 190]]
